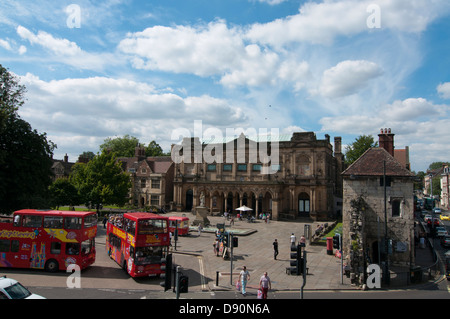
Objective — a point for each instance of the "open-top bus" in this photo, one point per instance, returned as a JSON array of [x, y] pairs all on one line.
[[46, 239], [138, 242], [180, 223]]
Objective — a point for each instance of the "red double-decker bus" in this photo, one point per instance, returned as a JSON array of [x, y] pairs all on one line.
[[138, 242], [46, 239]]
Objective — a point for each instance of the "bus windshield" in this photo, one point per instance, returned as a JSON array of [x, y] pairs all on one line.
[[149, 255]]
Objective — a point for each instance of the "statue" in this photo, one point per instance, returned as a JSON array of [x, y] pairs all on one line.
[[201, 212], [202, 199]]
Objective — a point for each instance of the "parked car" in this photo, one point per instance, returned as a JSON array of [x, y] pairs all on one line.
[[437, 210], [441, 231], [445, 241], [12, 289]]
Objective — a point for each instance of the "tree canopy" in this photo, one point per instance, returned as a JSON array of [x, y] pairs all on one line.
[[358, 147], [25, 154], [125, 146], [101, 181]]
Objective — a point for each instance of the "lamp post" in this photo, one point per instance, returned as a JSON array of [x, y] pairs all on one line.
[[386, 242]]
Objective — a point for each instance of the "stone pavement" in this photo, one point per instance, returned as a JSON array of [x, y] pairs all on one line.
[[196, 257]]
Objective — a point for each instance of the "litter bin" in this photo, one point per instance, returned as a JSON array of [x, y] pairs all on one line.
[[329, 245], [416, 274]]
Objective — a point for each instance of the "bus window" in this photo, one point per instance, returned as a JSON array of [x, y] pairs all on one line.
[[55, 248], [17, 220], [4, 245], [72, 248], [72, 223], [53, 221], [87, 246], [152, 226], [31, 221], [15, 245], [90, 221]]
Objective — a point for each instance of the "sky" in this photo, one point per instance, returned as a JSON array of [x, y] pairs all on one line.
[[151, 69]]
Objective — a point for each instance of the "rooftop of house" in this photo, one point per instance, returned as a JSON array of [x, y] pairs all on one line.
[[371, 163]]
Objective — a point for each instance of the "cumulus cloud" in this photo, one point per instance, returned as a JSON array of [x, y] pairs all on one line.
[[65, 51], [444, 90], [213, 50], [348, 77], [414, 108], [323, 22], [101, 107]]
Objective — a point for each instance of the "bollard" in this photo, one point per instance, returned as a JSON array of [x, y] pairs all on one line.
[[217, 278]]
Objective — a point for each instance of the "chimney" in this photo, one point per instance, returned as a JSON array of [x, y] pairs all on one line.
[[337, 145], [66, 158], [386, 140]]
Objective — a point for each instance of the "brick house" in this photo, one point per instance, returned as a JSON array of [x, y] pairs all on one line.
[[151, 179]]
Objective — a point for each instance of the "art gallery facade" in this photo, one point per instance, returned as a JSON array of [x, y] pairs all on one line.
[[302, 178]]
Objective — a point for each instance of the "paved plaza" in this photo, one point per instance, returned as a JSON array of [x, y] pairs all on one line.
[[195, 254]]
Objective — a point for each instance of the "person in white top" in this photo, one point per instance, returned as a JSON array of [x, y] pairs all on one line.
[[244, 276]]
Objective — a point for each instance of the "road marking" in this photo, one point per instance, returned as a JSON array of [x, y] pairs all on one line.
[[202, 273]]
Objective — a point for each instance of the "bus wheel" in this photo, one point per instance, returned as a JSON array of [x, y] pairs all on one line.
[[51, 265]]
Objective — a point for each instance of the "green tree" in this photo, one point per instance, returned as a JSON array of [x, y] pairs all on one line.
[[63, 192], [25, 154], [121, 146], [153, 149], [101, 181], [358, 147]]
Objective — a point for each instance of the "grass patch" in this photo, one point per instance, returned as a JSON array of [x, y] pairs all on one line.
[[336, 230]]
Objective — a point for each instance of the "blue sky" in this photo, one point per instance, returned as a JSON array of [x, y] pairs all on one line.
[[147, 68]]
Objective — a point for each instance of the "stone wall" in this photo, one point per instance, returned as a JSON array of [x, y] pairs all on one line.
[[370, 215]]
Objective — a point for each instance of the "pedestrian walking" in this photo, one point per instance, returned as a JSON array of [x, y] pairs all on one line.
[[200, 228], [303, 242], [293, 240], [275, 249], [265, 285], [105, 219], [244, 277]]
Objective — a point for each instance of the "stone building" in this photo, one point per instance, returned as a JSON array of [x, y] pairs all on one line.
[[302, 181], [374, 186], [151, 179], [61, 168]]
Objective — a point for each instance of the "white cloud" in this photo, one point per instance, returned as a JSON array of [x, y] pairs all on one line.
[[57, 46], [414, 108], [104, 107], [444, 90], [321, 23], [272, 2], [348, 77], [203, 50], [5, 44], [66, 51]]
